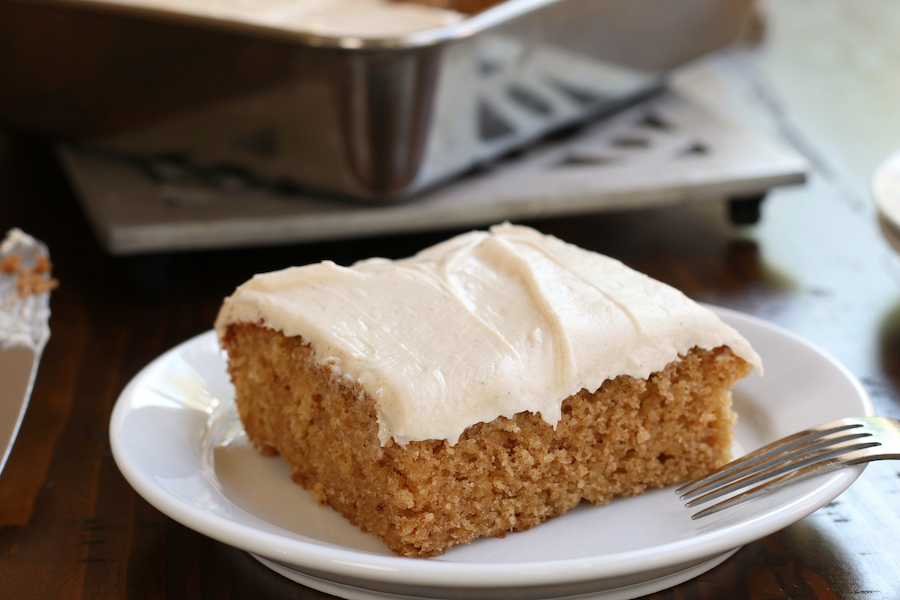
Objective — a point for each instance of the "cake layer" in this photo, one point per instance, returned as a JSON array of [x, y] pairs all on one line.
[[485, 325], [508, 474]]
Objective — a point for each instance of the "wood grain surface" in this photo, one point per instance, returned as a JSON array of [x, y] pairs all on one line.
[[71, 527]]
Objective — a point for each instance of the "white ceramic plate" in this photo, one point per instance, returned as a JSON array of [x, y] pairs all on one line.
[[175, 438]]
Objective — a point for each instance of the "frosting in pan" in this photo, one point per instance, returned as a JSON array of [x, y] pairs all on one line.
[[482, 325], [338, 18]]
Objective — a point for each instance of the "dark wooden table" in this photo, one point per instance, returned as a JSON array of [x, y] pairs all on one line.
[[71, 527]]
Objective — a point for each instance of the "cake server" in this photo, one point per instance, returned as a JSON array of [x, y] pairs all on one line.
[[25, 285]]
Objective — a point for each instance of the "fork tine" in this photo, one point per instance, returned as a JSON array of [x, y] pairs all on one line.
[[812, 470], [803, 455], [772, 449], [771, 486], [787, 454], [822, 455]]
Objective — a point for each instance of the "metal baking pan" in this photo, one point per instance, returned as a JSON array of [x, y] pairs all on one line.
[[371, 119]]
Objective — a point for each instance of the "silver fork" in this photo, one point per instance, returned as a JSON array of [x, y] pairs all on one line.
[[797, 457]]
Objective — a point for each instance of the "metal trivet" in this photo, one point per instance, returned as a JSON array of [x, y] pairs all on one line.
[[664, 151]]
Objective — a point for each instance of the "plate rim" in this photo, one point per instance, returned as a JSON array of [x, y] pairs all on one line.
[[346, 562]]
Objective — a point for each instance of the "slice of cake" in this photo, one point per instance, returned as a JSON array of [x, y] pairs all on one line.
[[482, 386]]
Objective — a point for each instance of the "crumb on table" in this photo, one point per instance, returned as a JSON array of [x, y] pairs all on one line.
[[11, 263]]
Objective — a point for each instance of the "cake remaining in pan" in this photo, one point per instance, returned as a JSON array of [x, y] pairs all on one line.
[[469, 7], [367, 99]]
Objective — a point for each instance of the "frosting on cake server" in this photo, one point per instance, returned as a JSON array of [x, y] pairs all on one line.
[[483, 325]]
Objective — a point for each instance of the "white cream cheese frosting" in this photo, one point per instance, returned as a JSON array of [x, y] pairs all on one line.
[[483, 325]]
